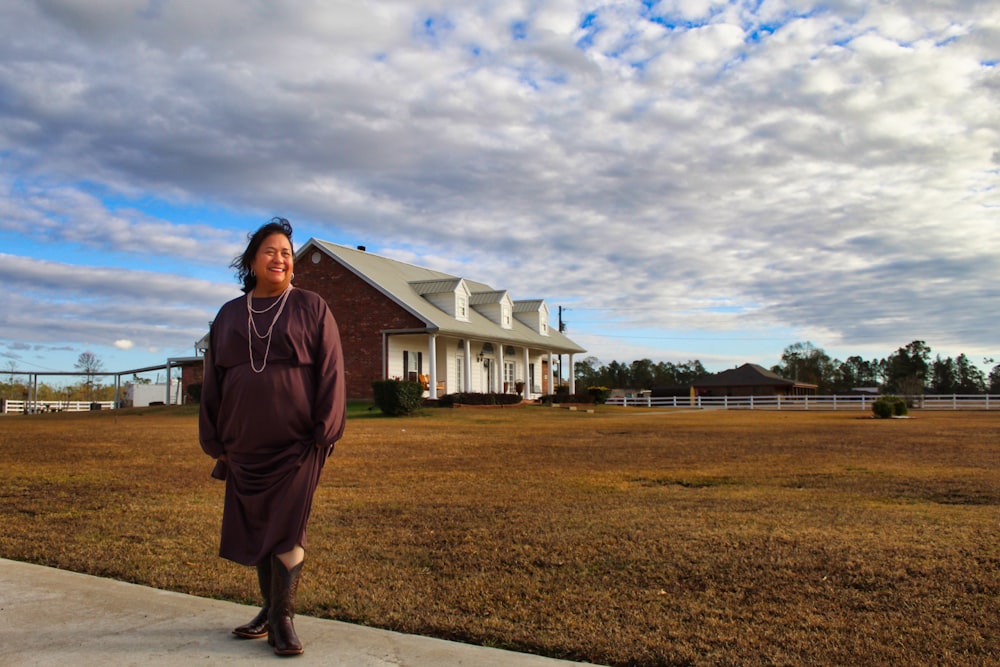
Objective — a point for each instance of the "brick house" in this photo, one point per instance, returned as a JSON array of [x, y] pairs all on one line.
[[452, 334]]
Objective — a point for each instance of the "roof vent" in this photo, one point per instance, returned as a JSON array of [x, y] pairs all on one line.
[[361, 248]]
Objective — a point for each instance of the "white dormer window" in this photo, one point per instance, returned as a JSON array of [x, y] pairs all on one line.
[[505, 316], [533, 313], [450, 295]]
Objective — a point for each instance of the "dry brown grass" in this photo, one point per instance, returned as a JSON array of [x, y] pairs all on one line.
[[708, 538]]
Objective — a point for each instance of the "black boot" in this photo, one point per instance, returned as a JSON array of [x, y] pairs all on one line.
[[257, 628], [281, 633]]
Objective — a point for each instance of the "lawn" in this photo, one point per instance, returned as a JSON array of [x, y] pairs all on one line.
[[618, 537]]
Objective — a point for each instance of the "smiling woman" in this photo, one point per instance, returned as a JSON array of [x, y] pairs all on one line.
[[272, 407]]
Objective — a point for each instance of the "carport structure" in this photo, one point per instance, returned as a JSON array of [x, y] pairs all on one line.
[[32, 404]]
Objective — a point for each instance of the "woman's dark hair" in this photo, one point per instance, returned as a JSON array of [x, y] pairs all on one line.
[[242, 263]]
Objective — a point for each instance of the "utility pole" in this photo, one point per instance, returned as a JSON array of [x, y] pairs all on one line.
[[562, 329]]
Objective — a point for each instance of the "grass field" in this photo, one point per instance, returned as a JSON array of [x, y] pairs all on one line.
[[616, 537]]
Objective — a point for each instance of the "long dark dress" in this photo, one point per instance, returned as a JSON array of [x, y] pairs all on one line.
[[276, 427]]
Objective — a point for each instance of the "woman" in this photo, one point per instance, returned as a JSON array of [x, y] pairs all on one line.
[[272, 407]]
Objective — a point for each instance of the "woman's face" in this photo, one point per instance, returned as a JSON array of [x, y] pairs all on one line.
[[273, 265]]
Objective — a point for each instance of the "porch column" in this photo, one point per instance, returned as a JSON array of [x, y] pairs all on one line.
[[499, 374], [526, 377], [385, 356], [167, 401], [467, 362], [432, 371], [572, 376], [552, 375]]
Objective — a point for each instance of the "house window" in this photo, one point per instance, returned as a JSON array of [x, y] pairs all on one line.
[[505, 315], [508, 376], [462, 307], [545, 328], [460, 372]]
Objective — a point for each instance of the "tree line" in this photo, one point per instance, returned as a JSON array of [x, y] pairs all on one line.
[[19, 391], [909, 370]]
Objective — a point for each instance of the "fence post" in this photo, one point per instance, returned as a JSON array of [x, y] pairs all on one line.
[[751, 401]]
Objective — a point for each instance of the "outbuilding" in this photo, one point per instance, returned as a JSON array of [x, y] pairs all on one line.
[[751, 380]]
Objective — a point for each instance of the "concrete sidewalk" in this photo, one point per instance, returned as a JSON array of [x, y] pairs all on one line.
[[55, 617]]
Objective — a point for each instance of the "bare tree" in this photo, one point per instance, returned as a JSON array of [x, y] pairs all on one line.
[[90, 365], [12, 383]]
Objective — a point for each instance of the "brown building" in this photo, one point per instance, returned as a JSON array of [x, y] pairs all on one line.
[[192, 373], [751, 380]]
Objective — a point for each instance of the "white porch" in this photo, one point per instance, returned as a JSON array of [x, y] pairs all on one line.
[[447, 365]]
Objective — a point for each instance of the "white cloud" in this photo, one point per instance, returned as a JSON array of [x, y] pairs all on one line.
[[56, 303], [70, 215], [825, 168]]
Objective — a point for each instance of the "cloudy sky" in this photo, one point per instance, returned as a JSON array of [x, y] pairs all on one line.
[[689, 179]]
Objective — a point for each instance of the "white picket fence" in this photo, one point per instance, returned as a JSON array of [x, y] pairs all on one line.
[[842, 402], [22, 407]]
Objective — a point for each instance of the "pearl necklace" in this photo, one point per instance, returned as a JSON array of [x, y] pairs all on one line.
[[271, 307], [252, 326]]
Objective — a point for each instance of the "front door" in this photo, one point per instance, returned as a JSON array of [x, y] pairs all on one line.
[[484, 376]]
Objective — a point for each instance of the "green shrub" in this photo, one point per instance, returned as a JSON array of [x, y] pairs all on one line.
[[882, 408], [889, 406], [600, 394], [396, 398], [585, 398], [470, 398]]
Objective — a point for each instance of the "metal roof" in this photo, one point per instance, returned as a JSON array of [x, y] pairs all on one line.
[[490, 296], [436, 286], [528, 305]]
